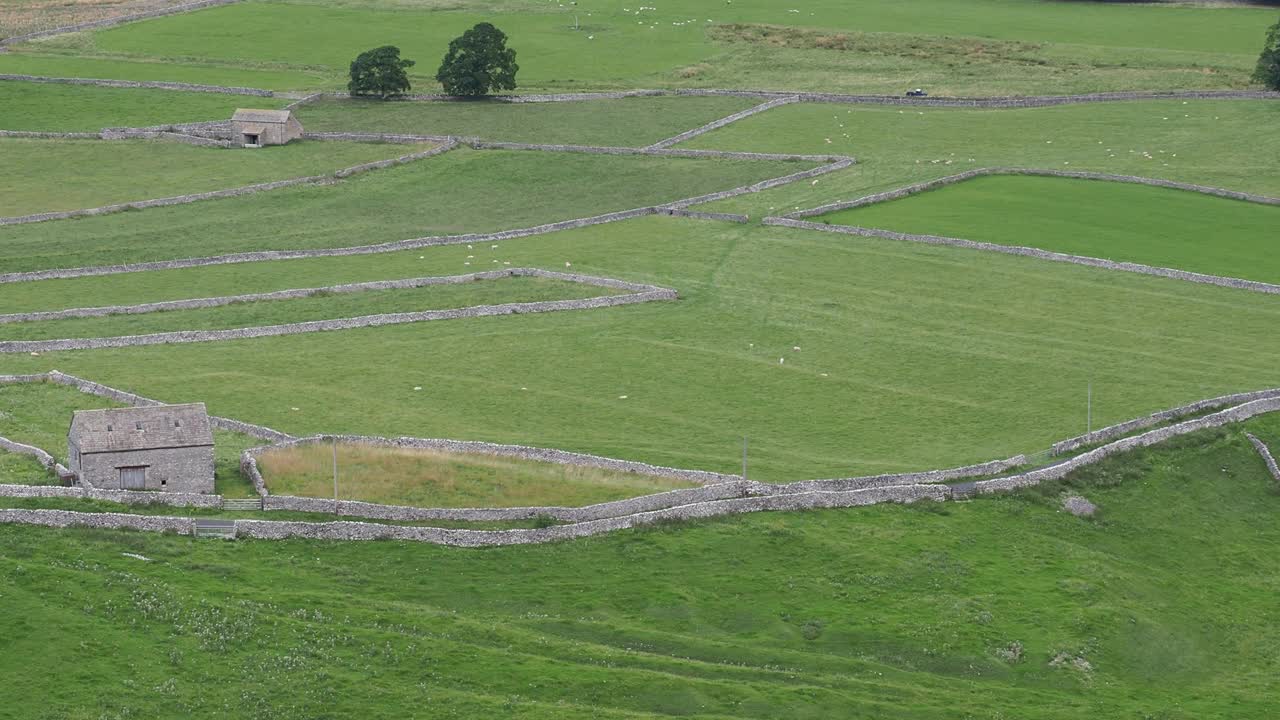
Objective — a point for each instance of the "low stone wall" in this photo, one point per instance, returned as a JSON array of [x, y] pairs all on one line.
[[147, 84], [1060, 470], [366, 321], [928, 185], [716, 124], [763, 185], [183, 138], [215, 194], [18, 448], [376, 137], [124, 497], [1228, 282], [49, 135], [1124, 428], [928, 477], [1262, 449], [107, 521], [278, 530], [408, 283], [725, 217]]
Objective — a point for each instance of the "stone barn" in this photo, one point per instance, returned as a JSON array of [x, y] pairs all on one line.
[[256, 128], [168, 448]]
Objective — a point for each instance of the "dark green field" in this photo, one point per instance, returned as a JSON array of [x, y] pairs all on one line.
[[1132, 223]]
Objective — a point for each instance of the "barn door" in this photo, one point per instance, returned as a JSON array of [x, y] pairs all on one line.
[[133, 478]]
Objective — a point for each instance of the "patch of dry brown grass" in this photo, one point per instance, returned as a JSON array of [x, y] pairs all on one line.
[[19, 17], [891, 44], [427, 478]]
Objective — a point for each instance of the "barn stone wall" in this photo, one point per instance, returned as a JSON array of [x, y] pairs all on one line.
[[181, 470]]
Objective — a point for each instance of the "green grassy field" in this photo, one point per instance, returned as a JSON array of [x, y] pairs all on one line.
[[1133, 223], [1220, 143], [78, 108], [981, 46], [886, 611], [911, 357], [630, 122], [47, 175], [322, 307], [399, 476], [459, 192]]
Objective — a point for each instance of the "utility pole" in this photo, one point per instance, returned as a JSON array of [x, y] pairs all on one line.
[[744, 458], [336, 510]]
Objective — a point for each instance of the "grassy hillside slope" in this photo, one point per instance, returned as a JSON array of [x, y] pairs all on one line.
[[1160, 606]]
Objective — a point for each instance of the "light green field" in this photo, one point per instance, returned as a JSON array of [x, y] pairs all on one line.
[[47, 175], [630, 122], [458, 192], [81, 108], [885, 611], [400, 476], [1220, 143], [1132, 223], [911, 358], [320, 307], [982, 46]]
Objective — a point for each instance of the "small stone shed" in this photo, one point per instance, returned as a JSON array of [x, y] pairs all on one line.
[[256, 128], [168, 448]]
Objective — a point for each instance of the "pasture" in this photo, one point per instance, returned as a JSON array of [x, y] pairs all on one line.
[[821, 355], [1131, 223], [48, 175], [899, 612], [982, 47]]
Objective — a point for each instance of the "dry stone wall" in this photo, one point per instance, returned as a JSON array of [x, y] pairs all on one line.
[[366, 321], [981, 172], [1124, 428], [109, 521], [124, 497], [407, 283], [1229, 282], [148, 84], [1060, 470], [215, 194], [1262, 449], [716, 124]]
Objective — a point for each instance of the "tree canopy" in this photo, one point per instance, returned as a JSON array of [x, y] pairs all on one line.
[[1268, 72], [478, 63], [379, 72]]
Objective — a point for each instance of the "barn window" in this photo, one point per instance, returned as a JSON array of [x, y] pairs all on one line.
[[108, 428], [137, 425], [177, 423]]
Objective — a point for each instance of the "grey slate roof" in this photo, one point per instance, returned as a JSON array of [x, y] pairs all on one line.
[[267, 116], [163, 426]]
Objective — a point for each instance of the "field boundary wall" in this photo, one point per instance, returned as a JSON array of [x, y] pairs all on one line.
[[1265, 452], [407, 283], [138, 84], [1171, 273], [928, 185], [216, 194]]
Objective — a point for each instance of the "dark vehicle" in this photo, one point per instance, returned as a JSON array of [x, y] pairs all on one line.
[[917, 93]]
